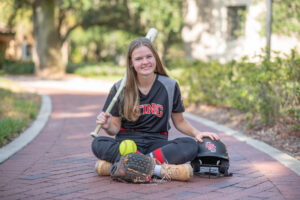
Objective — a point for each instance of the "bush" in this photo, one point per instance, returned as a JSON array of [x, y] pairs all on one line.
[[100, 70], [268, 88], [18, 67]]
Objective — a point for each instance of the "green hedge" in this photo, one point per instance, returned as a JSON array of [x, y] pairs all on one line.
[[103, 70], [17, 67], [268, 88]]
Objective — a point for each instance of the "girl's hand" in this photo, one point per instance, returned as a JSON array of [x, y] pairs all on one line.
[[104, 120], [200, 135]]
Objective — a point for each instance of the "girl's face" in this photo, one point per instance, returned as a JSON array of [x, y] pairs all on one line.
[[143, 61]]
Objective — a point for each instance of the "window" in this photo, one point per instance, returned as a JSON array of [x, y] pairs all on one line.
[[235, 21]]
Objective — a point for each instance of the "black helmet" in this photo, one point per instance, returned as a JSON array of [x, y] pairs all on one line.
[[212, 158]]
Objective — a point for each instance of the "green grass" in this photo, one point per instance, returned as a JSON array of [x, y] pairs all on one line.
[[108, 71], [112, 78], [104, 70], [18, 108]]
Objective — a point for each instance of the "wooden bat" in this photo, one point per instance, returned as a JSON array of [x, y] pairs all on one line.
[[151, 35]]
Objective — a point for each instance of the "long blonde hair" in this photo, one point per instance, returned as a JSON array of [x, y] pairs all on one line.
[[130, 98]]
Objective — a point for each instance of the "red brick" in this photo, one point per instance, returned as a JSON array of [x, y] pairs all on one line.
[[63, 150]]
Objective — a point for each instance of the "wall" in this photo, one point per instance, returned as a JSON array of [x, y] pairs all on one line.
[[205, 31]]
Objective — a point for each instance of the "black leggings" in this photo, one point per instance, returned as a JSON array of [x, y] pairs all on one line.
[[177, 151]]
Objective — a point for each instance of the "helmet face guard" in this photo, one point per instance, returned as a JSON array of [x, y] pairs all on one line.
[[212, 159]]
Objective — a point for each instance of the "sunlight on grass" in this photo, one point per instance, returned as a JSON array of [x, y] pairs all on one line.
[[103, 71], [112, 78], [18, 108], [110, 72]]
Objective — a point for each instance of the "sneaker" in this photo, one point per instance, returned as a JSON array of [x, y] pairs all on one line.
[[183, 172], [102, 168]]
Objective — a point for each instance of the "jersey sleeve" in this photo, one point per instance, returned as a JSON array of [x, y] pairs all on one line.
[[114, 111], [178, 106]]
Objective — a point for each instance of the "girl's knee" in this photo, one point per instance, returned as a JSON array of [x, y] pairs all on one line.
[[187, 143], [101, 139], [180, 150], [186, 140], [105, 148]]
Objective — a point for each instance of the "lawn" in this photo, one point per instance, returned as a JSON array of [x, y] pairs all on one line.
[[18, 108]]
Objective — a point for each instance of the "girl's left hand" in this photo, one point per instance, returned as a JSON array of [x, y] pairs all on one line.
[[200, 135]]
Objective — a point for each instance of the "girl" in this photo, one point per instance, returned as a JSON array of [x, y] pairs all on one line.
[[142, 114]]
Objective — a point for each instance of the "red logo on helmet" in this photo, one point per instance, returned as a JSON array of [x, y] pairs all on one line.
[[210, 146]]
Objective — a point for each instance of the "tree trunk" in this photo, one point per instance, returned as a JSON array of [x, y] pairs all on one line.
[[48, 48], [269, 27]]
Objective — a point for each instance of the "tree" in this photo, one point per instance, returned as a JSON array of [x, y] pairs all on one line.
[[286, 18], [269, 26], [166, 16], [48, 62], [54, 20]]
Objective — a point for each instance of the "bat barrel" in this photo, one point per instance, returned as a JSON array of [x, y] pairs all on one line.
[[151, 34]]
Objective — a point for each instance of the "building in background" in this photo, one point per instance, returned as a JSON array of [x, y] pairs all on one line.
[[228, 29], [15, 45], [6, 35]]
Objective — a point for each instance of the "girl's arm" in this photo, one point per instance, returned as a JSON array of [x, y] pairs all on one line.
[[185, 127], [109, 123]]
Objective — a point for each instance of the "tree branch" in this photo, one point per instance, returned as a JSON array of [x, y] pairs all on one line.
[[61, 18], [65, 37], [115, 16]]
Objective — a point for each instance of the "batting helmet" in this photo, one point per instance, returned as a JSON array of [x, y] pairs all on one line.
[[212, 158]]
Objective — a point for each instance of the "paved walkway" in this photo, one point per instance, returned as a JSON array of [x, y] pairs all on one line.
[[59, 164]]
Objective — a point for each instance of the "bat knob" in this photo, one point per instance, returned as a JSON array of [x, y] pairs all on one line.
[[151, 34], [93, 134]]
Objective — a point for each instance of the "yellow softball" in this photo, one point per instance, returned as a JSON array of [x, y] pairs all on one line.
[[127, 146]]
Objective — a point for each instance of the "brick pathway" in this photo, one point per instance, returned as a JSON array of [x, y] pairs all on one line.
[[59, 164]]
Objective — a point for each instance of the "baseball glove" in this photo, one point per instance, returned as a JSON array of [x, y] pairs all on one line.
[[133, 168]]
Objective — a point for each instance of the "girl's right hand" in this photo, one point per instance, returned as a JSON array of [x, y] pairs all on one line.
[[104, 120]]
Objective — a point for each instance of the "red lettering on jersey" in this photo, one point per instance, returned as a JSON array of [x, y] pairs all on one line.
[[159, 110], [154, 109], [151, 109], [143, 107]]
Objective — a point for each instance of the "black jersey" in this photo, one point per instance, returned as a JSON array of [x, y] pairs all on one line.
[[156, 107]]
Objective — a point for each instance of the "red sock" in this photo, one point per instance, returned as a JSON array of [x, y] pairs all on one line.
[[158, 155]]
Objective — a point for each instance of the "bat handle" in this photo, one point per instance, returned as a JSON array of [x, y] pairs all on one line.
[[96, 131]]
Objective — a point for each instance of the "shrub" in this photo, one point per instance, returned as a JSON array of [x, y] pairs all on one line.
[[268, 87], [105, 69], [18, 67]]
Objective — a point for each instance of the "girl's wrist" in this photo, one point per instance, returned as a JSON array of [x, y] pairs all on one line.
[[195, 133], [105, 127]]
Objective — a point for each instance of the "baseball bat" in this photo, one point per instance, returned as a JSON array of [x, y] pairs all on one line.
[[151, 35]]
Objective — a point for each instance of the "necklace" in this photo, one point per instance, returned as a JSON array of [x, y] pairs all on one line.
[[145, 90]]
